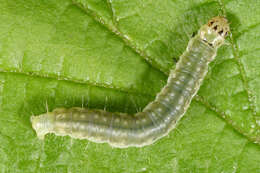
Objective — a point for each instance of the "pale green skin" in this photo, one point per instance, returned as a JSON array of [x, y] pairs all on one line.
[[158, 118]]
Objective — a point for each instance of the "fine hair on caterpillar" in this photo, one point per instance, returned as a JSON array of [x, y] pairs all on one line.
[[159, 117]]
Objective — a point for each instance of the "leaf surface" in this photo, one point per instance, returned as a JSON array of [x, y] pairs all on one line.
[[116, 55]]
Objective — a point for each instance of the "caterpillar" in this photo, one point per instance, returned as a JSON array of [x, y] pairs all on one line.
[[159, 117]]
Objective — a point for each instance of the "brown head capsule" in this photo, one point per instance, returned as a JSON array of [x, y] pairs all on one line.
[[215, 31]]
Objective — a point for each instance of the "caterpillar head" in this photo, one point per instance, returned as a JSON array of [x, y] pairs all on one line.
[[42, 124], [215, 31]]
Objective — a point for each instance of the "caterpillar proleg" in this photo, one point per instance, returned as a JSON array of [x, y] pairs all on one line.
[[159, 117]]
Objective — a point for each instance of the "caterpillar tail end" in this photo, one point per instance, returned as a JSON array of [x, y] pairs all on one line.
[[42, 124]]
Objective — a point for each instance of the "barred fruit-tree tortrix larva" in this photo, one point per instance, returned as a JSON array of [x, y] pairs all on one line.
[[159, 117]]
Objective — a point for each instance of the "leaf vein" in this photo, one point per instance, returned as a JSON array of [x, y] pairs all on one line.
[[128, 42], [254, 139], [62, 78]]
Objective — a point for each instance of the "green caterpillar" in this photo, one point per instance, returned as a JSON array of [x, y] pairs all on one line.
[[159, 117]]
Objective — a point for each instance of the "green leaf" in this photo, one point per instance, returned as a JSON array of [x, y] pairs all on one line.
[[116, 55]]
